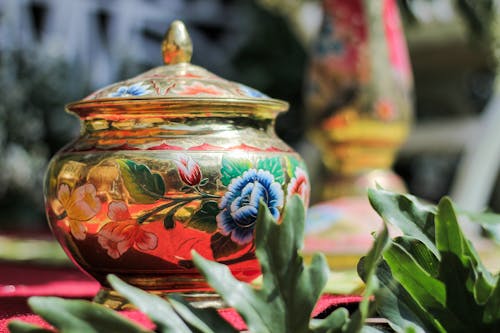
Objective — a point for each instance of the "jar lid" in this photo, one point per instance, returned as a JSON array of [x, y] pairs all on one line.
[[176, 85]]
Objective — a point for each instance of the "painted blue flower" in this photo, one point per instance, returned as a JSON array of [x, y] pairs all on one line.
[[240, 205], [134, 90], [250, 92]]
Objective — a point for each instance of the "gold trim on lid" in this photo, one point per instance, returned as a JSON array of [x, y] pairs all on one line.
[[177, 46]]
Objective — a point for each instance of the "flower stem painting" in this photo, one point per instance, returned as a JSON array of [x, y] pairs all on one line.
[[155, 212]]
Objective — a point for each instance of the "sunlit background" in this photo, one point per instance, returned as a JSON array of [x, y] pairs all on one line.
[[56, 51]]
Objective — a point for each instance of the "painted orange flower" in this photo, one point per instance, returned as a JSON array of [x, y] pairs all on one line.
[[79, 205], [118, 236]]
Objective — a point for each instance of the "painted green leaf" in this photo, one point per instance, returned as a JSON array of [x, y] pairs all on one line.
[[142, 185], [291, 164], [160, 311], [406, 213], [273, 165], [232, 168], [168, 221], [77, 316], [222, 246], [204, 218]]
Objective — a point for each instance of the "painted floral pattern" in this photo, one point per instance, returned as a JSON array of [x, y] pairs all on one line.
[[240, 205], [299, 185], [80, 204], [223, 210], [178, 81], [250, 92], [123, 232], [198, 89], [189, 170], [137, 89]]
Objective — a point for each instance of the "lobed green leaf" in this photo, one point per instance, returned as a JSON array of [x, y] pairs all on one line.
[[74, 316], [277, 249], [261, 312], [395, 303], [205, 320], [368, 269], [449, 237], [425, 289], [17, 326], [160, 311], [406, 213], [492, 308], [421, 253], [335, 322]]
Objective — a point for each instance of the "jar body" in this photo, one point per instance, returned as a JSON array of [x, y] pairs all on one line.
[[133, 196]]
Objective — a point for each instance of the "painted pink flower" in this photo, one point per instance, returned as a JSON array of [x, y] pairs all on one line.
[[79, 205], [299, 184], [189, 170], [118, 236]]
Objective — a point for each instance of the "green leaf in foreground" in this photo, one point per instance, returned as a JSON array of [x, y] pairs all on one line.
[[75, 316], [367, 268], [289, 290], [173, 316], [406, 213], [17, 326], [283, 304], [445, 291]]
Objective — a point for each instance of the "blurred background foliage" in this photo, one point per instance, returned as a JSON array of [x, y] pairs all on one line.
[[262, 43]]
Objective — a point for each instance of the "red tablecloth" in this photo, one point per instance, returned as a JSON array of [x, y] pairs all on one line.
[[18, 282]]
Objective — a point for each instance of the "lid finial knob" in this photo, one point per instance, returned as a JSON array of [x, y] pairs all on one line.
[[176, 46]]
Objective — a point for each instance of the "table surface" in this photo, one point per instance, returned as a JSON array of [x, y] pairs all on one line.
[[20, 281]]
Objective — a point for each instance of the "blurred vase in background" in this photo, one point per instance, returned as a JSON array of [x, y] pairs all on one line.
[[358, 96]]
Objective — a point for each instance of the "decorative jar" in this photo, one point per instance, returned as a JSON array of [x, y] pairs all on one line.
[[359, 96], [173, 160]]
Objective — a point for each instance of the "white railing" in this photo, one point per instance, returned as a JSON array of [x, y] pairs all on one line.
[[70, 30]]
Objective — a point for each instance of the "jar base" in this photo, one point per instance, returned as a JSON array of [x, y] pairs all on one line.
[[204, 299]]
